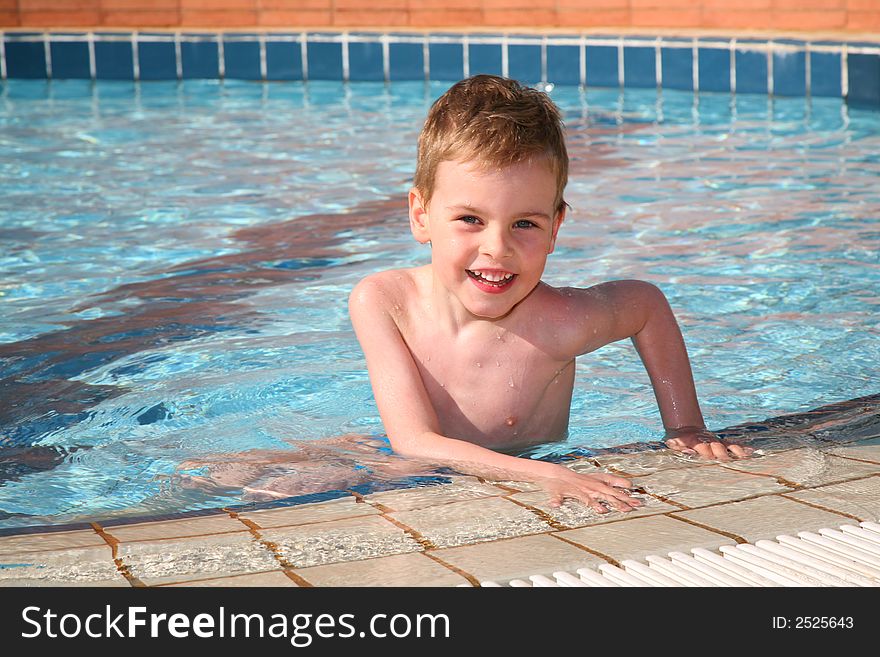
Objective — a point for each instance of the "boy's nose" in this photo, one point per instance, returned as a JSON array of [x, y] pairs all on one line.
[[496, 244]]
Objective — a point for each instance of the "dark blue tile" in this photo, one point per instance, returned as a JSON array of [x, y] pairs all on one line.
[[157, 60], [284, 60], [524, 63], [25, 59], [639, 67], [114, 60], [825, 74], [790, 73], [602, 66], [714, 66], [751, 72], [863, 73], [564, 64], [200, 59], [324, 60], [241, 60], [677, 68], [365, 61], [484, 58], [70, 59], [406, 61], [446, 61]]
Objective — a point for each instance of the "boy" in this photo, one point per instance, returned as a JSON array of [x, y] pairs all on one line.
[[473, 353]]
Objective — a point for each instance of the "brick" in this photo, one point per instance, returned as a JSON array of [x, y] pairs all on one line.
[[741, 5], [863, 21], [305, 18], [138, 5], [9, 5], [367, 7], [59, 5], [595, 5], [519, 17], [445, 17], [517, 4], [740, 20], [370, 18], [218, 18], [663, 4], [431, 5], [218, 5], [9, 19], [60, 18], [809, 20], [140, 19], [862, 5], [665, 18], [597, 18], [804, 5], [295, 5]]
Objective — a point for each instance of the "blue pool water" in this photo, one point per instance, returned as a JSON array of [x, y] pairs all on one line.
[[175, 261]]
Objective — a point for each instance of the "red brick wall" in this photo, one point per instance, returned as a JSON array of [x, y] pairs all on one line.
[[752, 15]]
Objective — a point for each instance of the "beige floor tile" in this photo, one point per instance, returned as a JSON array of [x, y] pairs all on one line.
[[344, 507], [642, 463], [70, 567], [575, 514], [160, 562], [458, 490], [639, 537], [763, 518], [274, 578], [413, 569], [164, 529], [866, 450], [711, 484], [472, 521], [20, 543], [806, 466], [349, 539], [860, 498], [502, 561]]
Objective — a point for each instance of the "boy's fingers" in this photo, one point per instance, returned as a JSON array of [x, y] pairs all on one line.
[[740, 452]]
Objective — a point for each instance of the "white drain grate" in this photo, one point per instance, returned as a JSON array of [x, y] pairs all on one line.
[[849, 556]]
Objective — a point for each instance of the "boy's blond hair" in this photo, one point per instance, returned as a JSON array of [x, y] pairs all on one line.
[[493, 121]]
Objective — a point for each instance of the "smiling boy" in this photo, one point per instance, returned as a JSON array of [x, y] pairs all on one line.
[[473, 353]]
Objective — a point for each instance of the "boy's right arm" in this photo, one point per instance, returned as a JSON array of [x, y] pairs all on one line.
[[414, 430]]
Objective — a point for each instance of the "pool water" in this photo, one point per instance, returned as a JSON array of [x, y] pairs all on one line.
[[176, 260]]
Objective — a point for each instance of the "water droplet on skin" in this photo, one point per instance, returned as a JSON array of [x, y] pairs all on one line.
[[497, 363], [510, 383], [479, 365], [510, 421]]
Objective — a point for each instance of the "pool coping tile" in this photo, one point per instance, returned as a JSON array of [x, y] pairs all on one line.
[[270, 578], [168, 529], [461, 488], [763, 517], [305, 514], [512, 558], [848, 498], [407, 569], [640, 537], [793, 466], [24, 543], [471, 521], [573, 514]]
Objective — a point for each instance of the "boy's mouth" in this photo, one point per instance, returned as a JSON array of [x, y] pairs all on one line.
[[491, 279]]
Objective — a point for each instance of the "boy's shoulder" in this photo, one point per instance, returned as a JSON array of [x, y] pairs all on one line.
[[387, 289]]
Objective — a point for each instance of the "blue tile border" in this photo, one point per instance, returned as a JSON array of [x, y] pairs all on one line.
[[781, 67]]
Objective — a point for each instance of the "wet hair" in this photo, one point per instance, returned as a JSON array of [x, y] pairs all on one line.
[[495, 122]]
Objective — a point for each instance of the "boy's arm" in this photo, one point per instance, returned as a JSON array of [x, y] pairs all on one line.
[[414, 430], [639, 310]]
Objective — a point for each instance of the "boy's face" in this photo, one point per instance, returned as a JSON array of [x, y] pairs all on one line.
[[490, 232]]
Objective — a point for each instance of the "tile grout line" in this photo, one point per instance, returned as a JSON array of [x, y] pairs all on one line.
[[588, 550], [824, 508], [730, 535], [425, 543], [458, 571], [288, 567], [121, 567]]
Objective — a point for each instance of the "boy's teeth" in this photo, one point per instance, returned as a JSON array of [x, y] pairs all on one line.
[[492, 277]]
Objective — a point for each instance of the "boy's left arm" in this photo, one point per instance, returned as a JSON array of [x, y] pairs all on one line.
[[640, 311]]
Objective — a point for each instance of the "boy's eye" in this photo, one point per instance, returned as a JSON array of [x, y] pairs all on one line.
[[468, 219], [525, 223]]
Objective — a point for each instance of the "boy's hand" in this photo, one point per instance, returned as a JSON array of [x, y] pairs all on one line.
[[598, 491], [704, 443]]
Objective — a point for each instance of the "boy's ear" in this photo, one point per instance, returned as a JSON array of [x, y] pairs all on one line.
[[557, 222], [418, 217]]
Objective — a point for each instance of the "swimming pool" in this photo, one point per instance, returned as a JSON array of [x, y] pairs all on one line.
[[177, 257]]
